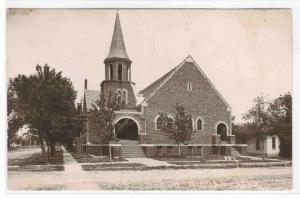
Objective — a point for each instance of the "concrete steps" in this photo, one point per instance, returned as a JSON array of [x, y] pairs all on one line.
[[235, 153], [131, 149]]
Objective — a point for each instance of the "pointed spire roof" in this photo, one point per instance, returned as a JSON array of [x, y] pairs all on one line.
[[117, 47]]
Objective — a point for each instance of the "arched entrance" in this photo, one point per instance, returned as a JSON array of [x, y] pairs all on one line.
[[126, 129], [222, 131]]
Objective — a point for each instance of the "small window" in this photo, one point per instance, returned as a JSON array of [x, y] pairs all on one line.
[[257, 142], [273, 142], [199, 125], [119, 95], [110, 71], [189, 86], [158, 123], [124, 97]]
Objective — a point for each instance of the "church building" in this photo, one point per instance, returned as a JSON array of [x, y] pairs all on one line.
[[141, 134]]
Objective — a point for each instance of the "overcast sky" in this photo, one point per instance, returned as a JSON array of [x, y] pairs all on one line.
[[243, 52]]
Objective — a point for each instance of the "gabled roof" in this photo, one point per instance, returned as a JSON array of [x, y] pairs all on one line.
[[117, 47], [91, 96], [150, 90]]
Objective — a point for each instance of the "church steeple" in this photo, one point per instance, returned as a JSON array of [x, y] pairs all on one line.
[[117, 47], [117, 63], [118, 69]]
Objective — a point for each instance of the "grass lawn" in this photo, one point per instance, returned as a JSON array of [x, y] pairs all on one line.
[[111, 166], [37, 159], [87, 158]]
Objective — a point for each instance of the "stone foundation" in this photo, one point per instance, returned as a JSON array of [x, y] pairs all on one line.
[[172, 150]]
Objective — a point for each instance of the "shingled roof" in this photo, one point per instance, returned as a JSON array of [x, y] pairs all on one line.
[[146, 92], [117, 47], [91, 96]]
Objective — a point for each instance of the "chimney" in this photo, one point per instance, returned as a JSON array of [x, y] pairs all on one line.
[[85, 84]]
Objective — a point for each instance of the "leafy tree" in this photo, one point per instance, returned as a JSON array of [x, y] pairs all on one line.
[[280, 111], [45, 100], [258, 118], [15, 121], [180, 128], [102, 116]]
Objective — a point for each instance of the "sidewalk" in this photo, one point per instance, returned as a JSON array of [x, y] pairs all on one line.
[[148, 162], [74, 177]]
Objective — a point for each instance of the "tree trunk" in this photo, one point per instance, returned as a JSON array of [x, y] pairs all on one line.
[[202, 154], [110, 158], [263, 148], [43, 148], [101, 151], [52, 147]]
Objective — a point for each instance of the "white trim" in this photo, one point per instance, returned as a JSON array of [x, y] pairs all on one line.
[[188, 59], [202, 123], [217, 124], [128, 112], [116, 120]]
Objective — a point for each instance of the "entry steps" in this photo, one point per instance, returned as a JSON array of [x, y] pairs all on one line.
[[131, 149]]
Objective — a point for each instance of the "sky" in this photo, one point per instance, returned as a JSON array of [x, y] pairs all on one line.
[[245, 53]]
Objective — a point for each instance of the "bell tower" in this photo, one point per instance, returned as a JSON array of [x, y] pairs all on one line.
[[118, 69]]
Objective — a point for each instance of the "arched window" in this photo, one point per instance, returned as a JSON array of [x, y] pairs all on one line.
[[111, 71], [120, 72], [119, 94], [222, 130], [124, 97], [189, 86], [199, 124], [158, 123], [128, 74]]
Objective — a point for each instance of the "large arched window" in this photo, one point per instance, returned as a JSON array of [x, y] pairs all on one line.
[[111, 71], [120, 72], [124, 97], [199, 124], [158, 123], [222, 130]]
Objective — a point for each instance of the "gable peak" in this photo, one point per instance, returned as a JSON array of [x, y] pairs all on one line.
[[189, 58]]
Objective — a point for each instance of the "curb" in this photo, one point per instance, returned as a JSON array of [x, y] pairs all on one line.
[[196, 166], [36, 168]]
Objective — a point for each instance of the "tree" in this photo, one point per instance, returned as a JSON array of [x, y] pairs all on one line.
[[280, 110], [102, 116], [258, 118], [180, 128], [45, 100], [15, 121]]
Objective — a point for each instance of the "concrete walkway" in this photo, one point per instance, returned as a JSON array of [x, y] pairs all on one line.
[[148, 162], [74, 177]]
